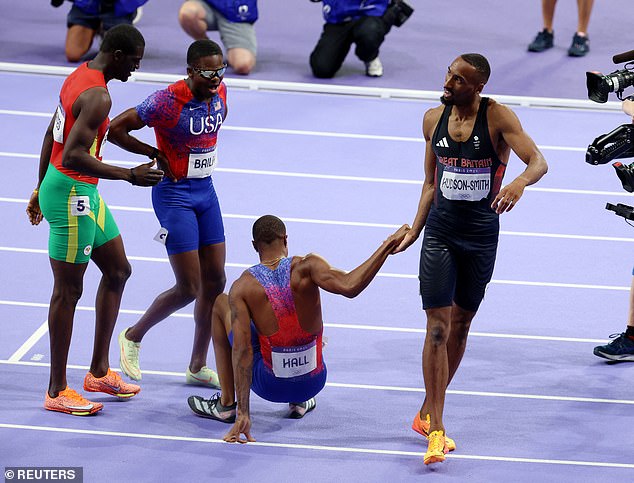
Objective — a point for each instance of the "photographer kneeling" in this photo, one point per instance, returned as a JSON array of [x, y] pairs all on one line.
[[364, 23], [622, 347]]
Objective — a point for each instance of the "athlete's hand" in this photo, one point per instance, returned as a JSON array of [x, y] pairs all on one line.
[[33, 209], [508, 196], [145, 175], [241, 426], [408, 239], [398, 236], [163, 164]]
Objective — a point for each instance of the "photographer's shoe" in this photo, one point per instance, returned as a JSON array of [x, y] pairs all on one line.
[[543, 41], [580, 46], [620, 349], [374, 68]]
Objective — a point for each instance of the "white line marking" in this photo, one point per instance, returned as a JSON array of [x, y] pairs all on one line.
[[30, 342], [350, 178], [300, 132], [41, 251], [364, 224], [339, 449], [375, 387], [378, 328]]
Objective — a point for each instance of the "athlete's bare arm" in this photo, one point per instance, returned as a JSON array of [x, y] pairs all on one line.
[[242, 358], [119, 134], [503, 121], [350, 284], [430, 120], [33, 208], [90, 110]]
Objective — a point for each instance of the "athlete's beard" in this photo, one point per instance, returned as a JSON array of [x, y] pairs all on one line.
[[445, 101]]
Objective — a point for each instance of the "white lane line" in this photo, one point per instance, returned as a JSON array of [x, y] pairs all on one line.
[[300, 132], [374, 387], [30, 342], [390, 226], [495, 281], [377, 328], [294, 446], [351, 178]]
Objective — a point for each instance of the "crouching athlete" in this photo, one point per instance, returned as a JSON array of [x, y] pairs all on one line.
[[270, 326]]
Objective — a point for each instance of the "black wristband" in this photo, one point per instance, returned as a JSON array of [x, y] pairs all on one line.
[[153, 154]]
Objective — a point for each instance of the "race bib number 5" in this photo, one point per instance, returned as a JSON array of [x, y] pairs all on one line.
[[294, 361], [467, 184], [58, 124], [79, 205], [201, 165]]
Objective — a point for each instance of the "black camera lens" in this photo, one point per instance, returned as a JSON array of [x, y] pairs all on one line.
[[599, 85]]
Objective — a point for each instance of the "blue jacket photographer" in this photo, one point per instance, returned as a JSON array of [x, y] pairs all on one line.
[[87, 18], [364, 23]]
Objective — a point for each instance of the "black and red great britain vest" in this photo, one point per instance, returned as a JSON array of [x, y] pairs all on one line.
[[468, 177]]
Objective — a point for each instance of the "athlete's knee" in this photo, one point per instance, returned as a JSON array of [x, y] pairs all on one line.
[[67, 294], [213, 286], [188, 289], [221, 306], [117, 277], [461, 323], [437, 333]]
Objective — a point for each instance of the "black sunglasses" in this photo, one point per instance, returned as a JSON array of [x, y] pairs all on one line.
[[210, 74]]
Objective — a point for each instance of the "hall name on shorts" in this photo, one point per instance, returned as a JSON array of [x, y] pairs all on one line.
[[466, 163]]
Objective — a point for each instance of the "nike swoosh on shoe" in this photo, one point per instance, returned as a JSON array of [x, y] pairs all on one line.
[[87, 407]]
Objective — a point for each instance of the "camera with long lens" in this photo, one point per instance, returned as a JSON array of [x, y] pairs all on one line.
[[599, 85], [618, 143]]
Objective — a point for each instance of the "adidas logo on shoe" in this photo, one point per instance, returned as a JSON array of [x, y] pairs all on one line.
[[299, 410]]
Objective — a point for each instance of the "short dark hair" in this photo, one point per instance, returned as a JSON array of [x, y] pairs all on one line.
[[268, 228], [202, 48], [123, 37], [480, 63]]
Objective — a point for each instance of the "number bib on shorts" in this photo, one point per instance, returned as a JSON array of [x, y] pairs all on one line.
[[466, 184], [294, 361], [58, 125], [202, 165], [80, 205]]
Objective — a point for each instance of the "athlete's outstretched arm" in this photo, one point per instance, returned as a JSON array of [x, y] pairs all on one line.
[[119, 134], [508, 125], [92, 108], [427, 193], [242, 356], [350, 284]]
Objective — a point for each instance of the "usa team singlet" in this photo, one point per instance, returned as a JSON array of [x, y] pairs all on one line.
[[186, 131], [287, 366]]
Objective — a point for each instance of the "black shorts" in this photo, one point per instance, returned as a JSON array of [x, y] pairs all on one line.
[[107, 20], [455, 270]]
